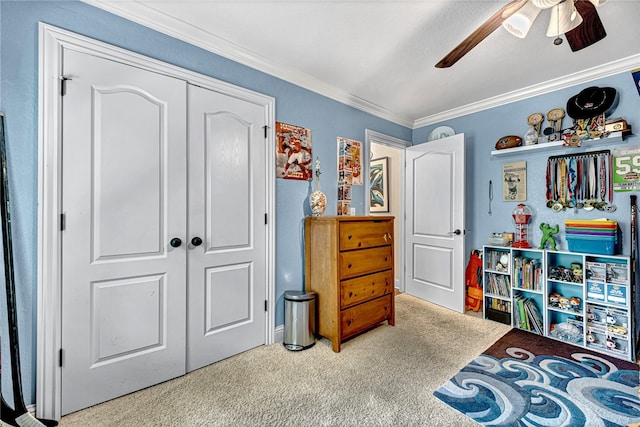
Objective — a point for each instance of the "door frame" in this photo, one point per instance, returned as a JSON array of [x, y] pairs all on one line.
[[52, 42], [370, 137]]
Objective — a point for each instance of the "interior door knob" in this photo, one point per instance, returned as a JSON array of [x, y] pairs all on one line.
[[196, 241], [457, 232], [175, 242]]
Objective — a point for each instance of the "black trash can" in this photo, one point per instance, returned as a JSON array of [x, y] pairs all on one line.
[[299, 320]]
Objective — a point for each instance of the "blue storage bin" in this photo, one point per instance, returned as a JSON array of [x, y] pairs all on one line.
[[604, 245]]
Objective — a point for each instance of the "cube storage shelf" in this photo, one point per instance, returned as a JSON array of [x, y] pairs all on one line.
[[579, 298]]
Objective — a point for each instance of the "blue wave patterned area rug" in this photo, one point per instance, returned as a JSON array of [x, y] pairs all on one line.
[[524, 379]]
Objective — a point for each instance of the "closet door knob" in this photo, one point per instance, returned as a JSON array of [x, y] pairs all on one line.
[[196, 241], [175, 242]]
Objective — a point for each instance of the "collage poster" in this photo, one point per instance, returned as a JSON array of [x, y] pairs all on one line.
[[349, 171], [293, 152]]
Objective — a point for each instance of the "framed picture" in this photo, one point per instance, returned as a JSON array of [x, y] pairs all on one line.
[[514, 182], [379, 185]]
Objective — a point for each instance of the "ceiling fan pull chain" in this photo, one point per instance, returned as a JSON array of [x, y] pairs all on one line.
[[558, 40]]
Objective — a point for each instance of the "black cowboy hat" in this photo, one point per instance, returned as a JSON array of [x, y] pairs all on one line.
[[591, 102]]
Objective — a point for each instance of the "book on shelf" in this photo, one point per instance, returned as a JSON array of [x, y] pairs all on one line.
[[498, 284], [527, 273], [524, 319], [528, 315], [498, 304], [534, 315]]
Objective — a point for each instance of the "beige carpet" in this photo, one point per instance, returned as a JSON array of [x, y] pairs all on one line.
[[381, 378]]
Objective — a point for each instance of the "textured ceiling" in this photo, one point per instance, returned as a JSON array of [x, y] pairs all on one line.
[[379, 55]]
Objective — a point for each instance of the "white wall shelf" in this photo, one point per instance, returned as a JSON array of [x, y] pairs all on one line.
[[613, 138]]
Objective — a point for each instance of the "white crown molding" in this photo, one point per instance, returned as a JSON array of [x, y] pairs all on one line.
[[569, 80], [154, 19]]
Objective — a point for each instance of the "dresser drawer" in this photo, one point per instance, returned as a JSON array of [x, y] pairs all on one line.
[[365, 234], [362, 316], [354, 291], [359, 263]]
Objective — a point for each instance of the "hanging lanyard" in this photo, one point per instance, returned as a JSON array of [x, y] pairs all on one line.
[[592, 178], [573, 181], [563, 182], [579, 179], [603, 177], [549, 180]]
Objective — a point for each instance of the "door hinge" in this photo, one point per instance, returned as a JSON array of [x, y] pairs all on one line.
[[60, 358], [265, 219], [266, 129], [63, 222], [265, 305], [63, 85]]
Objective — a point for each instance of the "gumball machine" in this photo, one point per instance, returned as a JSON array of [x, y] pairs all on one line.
[[522, 216]]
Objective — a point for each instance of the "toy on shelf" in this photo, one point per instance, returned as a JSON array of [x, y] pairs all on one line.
[[522, 216], [547, 235]]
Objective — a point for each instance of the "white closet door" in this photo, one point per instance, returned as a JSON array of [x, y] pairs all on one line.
[[124, 200], [227, 231]]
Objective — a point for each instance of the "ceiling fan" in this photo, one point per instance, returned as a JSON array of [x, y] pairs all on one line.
[[578, 20]]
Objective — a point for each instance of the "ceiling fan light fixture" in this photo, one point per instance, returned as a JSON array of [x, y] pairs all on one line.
[[520, 22], [564, 18]]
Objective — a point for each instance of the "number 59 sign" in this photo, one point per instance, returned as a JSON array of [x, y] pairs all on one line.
[[626, 169]]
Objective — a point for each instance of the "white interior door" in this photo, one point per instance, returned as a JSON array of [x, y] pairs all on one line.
[[124, 200], [434, 251], [227, 230]]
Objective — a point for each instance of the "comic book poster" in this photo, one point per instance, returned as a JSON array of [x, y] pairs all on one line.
[[293, 152], [349, 171], [343, 208], [350, 159], [356, 162], [514, 182]]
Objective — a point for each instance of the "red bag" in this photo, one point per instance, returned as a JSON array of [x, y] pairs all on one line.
[[473, 281]]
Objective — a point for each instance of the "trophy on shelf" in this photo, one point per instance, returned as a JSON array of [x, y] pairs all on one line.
[[534, 121]]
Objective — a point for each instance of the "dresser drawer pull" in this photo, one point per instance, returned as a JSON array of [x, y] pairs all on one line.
[[349, 237], [349, 266], [387, 237]]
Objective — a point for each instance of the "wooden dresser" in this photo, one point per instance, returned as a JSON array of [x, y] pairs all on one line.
[[349, 264]]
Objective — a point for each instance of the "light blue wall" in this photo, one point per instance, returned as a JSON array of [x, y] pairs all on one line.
[[326, 118], [18, 85], [483, 129]]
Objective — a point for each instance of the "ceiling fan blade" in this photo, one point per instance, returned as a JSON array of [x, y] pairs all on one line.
[[482, 32], [590, 31]]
